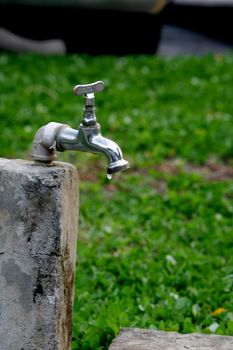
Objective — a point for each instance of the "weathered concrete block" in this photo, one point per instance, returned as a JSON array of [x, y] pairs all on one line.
[[38, 232], [146, 339]]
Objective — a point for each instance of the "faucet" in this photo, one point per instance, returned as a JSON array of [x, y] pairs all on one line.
[[61, 137]]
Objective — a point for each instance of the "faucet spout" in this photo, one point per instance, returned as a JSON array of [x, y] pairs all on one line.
[[89, 139], [96, 143]]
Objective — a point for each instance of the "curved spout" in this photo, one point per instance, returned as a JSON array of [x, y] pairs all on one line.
[[89, 139], [112, 152]]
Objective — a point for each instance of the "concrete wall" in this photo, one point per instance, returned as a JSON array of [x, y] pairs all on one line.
[[38, 230]]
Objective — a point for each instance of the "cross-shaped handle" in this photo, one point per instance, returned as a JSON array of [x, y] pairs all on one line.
[[88, 88], [89, 118]]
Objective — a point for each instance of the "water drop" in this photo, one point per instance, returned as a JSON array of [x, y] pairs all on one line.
[[109, 176]]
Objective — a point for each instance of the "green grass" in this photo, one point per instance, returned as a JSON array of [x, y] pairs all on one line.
[[155, 247]]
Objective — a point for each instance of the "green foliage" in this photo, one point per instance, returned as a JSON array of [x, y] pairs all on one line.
[[164, 260], [155, 248]]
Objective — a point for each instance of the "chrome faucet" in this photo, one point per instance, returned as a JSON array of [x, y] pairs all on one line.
[[61, 137]]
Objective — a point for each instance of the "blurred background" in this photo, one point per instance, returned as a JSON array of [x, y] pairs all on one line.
[[123, 27], [155, 244]]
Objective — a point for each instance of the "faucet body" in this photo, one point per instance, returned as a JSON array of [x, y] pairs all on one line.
[[61, 137]]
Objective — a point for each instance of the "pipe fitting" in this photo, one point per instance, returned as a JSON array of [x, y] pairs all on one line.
[[44, 143]]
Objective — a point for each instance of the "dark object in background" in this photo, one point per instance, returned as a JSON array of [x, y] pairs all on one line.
[[213, 21], [85, 30]]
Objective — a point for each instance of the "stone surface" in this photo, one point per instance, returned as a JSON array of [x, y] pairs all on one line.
[[38, 232], [145, 339]]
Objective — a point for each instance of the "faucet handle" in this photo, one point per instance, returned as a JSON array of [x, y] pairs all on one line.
[[88, 88], [89, 118]]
